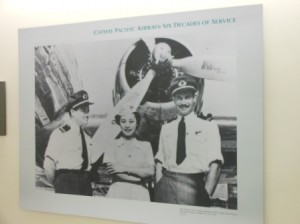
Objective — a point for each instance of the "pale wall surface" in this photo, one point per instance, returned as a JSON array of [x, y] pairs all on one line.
[[282, 92]]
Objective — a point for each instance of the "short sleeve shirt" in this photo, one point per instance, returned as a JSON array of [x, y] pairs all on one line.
[[132, 153], [65, 147], [203, 145]]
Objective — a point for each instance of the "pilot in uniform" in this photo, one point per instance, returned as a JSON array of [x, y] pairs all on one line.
[[189, 156], [67, 157]]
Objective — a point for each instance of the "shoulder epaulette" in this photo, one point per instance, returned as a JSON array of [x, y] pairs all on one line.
[[208, 117], [65, 128]]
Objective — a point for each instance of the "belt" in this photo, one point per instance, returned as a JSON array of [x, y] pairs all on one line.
[[64, 171], [142, 183], [171, 173]]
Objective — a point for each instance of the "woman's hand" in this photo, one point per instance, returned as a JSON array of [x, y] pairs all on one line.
[[114, 168]]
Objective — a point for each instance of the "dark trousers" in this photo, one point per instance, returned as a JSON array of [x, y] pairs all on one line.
[[73, 182], [181, 188]]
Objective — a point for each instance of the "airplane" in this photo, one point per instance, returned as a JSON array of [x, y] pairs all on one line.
[[145, 89]]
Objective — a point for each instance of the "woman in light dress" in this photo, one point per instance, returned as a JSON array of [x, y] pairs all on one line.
[[129, 160]]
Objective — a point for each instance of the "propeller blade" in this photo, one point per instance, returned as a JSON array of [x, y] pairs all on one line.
[[150, 43], [206, 68], [109, 129]]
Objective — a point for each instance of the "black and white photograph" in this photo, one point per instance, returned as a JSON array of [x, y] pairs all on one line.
[[141, 114], [81, 87]]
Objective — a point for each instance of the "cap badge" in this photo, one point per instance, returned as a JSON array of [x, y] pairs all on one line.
[[182, 83], [85, 96]]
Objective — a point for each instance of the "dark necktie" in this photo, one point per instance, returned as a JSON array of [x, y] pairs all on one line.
[[84, 151], [181, 142]]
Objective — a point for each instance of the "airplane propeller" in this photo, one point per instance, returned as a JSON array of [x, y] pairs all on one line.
[[150, 43], [205, 68], [161, 57]]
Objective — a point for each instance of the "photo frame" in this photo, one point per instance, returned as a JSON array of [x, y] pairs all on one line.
[[221, 49]]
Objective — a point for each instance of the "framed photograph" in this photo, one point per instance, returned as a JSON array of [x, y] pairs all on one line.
[[154, 119]]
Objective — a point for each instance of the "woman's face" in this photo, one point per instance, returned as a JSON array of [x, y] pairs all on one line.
[[128, 124]]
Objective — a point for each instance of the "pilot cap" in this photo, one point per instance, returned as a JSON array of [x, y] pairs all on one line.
[[78, 99], [182, 82]]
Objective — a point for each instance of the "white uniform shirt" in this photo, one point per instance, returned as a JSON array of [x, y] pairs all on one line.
[[203, 145], [65, 147]]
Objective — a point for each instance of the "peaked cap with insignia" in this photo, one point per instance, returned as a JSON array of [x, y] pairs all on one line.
[[78, 99], [182, 82]]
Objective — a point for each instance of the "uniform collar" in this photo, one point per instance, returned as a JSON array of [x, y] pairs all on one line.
[[187, 118], [121, 141]]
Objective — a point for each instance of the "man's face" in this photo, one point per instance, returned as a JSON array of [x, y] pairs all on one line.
[[185, 100], [80, 115]]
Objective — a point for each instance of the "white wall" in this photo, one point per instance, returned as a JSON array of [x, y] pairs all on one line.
[[282, 92]]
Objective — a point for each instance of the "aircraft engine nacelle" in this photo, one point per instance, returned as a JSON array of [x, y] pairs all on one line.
[[157, 104]]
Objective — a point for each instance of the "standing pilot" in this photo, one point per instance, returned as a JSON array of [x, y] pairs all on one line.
[[189, 157], [67, 157]]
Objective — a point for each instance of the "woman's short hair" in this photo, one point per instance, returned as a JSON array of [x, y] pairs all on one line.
[[136, 114]]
